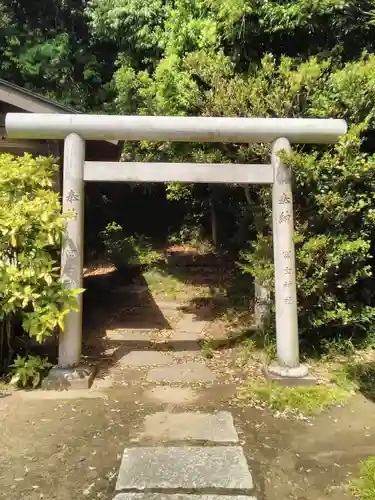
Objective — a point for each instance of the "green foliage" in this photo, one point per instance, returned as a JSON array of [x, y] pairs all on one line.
[[338, 346], [248, 347], [29, 371], [47, 47], [71, 49], [333, 197], [362, 376], [109, 19], [364, 487], [128, 251], [208, 348], [191, 236], [31, 227], [163, 283], [294, 401], [259, 261]]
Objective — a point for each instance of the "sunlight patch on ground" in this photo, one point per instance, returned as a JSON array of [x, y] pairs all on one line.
[[299, 402], [172, 287]]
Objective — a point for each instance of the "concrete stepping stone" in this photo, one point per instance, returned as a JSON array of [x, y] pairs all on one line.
[[178, 496], [171, 395], [146, 358], [187, 338], [189, 467], [167, 305], [184, 372], [130, 335], [217, 427], [188, 355], [188, 349], [190, 324]]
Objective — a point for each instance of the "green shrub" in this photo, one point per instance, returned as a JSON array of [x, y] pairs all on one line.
[[334, 199], [29, 371], [191, 236], [362, 375], [364, 487], [128, 251], [32, 297]]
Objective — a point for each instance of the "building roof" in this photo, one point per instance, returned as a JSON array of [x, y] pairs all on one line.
[[30, 101]]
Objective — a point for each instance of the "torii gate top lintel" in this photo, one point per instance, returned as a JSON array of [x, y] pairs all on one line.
[[76, 129], [174, 128]]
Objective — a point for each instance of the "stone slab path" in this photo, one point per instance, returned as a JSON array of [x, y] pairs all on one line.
[[184, 467], [191, 426], [189, 371], [178, 455]]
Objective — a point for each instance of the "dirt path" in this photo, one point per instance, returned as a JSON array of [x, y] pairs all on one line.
[[158, 405]]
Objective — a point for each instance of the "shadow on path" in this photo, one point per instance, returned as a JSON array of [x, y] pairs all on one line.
[[113, 302]]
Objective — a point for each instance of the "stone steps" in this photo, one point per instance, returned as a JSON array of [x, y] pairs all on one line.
[[187, 455], [185, 470]]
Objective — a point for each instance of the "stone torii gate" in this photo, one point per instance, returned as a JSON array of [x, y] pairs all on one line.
[[76, 129]]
